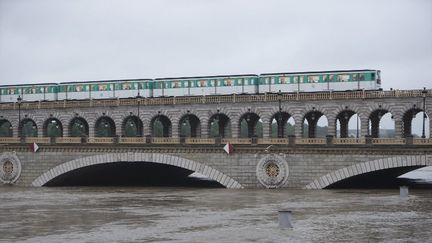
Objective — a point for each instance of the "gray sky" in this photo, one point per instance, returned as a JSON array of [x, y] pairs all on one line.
[[55, 40]]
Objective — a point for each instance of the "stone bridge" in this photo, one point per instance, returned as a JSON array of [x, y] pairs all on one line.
[[162, 138], [258, 166]]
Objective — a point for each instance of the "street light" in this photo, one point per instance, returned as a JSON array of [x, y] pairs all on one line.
[[19, 99], [280, 127], [424, 92]]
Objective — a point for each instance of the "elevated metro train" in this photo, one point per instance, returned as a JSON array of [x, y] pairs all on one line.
[[189, 86]]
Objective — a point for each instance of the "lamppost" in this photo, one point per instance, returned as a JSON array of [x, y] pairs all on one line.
[[424, 92], [280, 126], [19, 99]]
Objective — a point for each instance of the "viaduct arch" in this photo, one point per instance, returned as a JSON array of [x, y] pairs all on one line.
[[205, 170], [333, 177]]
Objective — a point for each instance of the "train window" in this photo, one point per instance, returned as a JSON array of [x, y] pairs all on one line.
[[127, 86], [227, 82], [313, 79], [175, 84], [343, 77], [212, 83], [202, 83], [373, 76]]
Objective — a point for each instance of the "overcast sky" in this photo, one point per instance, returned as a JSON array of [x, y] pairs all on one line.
[[55, 40]]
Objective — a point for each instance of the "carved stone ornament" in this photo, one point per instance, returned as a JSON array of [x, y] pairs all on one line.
[[272, 171], [10, 168]]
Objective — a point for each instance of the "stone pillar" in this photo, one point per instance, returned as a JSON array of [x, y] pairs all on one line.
[[398, 127], [205, 128], [175, 129], [40, 128], [92, 132], [235, 128], [331, 129], [15, 125], [65, 130], [266, 128], [298, 129], [343, 128], [375, 127], [364, 126], [118, 127]]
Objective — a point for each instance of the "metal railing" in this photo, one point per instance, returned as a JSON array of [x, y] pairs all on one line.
[[216, 141], [215, 99]]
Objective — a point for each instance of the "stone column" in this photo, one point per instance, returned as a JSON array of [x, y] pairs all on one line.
[[118, 127], [15, 125], [298, 129], [92, 132], [398, 127], [364, 126], [331, 129], [205, 128], [235, 128], [266, 128], [40, 128], [375, 127], [175, 129]]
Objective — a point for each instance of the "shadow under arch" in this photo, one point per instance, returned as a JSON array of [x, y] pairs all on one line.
[[398, 165], [163, 159]]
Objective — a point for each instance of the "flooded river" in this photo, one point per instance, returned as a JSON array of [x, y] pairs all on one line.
[[139, 214]]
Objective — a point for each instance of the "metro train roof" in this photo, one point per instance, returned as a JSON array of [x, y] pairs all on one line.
[[24, 85], [208, 77], [316, 72], [105, 81]]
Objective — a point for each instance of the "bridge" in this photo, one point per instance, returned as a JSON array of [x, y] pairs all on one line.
[[130, 140]]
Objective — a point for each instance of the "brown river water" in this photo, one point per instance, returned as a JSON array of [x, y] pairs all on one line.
[[140, 214]]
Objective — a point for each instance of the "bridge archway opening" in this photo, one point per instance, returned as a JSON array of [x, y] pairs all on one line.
[[6, 129], [28, 128], [190, 126], [315, 124], [381, 124], [412, 123], [132, 127], [52, 128], [219, 125], [250, 125], [105, 127], [131, 174], [78, 127], [281, 125], [160, 126], [347, 124], [386, 178]]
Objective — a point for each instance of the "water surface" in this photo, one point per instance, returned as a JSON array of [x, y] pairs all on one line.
[[125, 214]]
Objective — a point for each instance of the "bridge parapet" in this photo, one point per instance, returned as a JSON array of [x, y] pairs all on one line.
[[214, 141], [215, 99]]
